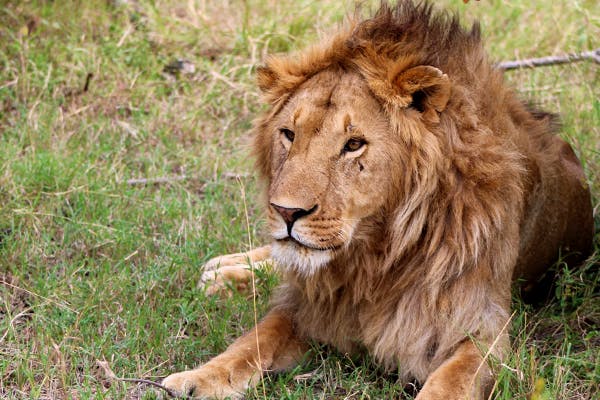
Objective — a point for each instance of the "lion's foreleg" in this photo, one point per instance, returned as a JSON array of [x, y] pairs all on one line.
[[271, 345], [255, 255], [464, 376]]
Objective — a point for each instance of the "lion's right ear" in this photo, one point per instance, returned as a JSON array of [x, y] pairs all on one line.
[[266, 78], [425, 88], [275, 82]]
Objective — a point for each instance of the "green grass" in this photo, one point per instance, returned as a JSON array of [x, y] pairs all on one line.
[[93, 268]]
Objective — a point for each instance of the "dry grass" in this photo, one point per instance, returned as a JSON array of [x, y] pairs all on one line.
[[93, 268]]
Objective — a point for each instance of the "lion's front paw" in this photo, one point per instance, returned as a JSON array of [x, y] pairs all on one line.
[[226, 272], [218, 281], [201, 384], [234, 271]]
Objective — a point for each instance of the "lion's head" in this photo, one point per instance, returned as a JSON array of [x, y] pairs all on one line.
[[331, 148]]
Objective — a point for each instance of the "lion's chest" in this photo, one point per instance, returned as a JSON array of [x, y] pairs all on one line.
[[395, 333]]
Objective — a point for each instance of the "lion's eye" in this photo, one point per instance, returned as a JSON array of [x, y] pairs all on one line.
[[354, 145], [289, 135]]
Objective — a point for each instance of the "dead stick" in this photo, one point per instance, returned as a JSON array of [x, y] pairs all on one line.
[[179, 178], [170, 392], [113, 377], [160, 179], [593, 55]]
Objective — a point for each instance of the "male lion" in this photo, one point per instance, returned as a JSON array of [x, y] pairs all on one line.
[[407, 188]]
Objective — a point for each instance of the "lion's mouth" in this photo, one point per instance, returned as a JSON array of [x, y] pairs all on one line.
[[296, 242]]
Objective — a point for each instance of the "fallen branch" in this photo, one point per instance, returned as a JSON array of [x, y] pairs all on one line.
[[179, 178], [160, 179], [593, 55], [234, 175], [111, 376], [170, 392]]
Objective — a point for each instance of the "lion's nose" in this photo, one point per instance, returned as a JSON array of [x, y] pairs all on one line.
[[291, 215]]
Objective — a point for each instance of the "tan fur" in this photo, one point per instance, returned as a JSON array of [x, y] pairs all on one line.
[[406, 245], [232, 270]]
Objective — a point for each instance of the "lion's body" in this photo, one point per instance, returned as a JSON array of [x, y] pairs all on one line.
[[408, 186]]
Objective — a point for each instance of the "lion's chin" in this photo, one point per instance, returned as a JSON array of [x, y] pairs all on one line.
[[302, 259]]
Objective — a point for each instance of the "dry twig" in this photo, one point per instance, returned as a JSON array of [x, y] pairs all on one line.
[[111, 376], [593, 55], [179, 178], [160, 179], [170, 392]]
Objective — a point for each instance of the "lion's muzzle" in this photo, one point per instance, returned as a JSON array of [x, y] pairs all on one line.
[[291, 215]]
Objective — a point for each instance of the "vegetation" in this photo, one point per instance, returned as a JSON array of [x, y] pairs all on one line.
[[96, 268]]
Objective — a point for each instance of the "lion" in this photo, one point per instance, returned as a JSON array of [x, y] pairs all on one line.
[[408, 188]]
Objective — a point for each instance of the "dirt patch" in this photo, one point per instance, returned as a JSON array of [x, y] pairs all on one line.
[[17, 300]]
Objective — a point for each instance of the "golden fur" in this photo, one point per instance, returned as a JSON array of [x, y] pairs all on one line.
[[407, 188]]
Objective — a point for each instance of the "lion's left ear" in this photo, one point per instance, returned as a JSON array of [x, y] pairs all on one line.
[[425, 88]]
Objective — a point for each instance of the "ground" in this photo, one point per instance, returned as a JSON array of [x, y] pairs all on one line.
[[98, 268]]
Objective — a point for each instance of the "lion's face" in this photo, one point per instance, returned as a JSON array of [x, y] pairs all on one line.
[[331, 162]]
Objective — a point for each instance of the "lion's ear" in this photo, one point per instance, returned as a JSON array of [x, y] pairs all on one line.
[[273, 84], [265, 78], [426, 88]]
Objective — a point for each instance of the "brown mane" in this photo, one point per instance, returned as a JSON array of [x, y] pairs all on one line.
[[436, 39], [411, 31]]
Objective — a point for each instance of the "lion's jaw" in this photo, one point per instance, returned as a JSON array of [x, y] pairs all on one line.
[[302, 259], [331, 154]]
